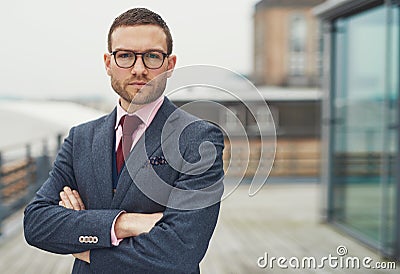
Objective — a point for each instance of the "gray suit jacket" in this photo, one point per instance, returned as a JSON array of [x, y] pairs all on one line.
[[179, 240]]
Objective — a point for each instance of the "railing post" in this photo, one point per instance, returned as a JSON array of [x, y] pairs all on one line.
[[29, 173], [42, 167], [59, 141], [29, 163]]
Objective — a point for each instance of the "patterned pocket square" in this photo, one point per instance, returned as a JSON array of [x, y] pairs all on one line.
[[156, 161]]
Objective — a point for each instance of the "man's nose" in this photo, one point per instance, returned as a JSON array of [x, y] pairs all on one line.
[[139, 67]]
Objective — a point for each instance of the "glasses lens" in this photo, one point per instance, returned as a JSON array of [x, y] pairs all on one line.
[[125, 59], [153, 59]]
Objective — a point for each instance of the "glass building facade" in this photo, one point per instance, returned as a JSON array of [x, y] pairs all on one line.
[[361, 170]]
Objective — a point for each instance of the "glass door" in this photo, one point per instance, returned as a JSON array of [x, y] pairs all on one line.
[[364, 134]]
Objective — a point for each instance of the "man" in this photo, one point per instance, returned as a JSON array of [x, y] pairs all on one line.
[[127, 214]]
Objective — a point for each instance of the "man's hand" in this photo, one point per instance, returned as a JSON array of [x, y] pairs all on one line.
[[72, 200], [134, 224], [83, 256]]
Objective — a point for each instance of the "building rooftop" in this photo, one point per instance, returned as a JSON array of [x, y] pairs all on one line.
[[266, 93], [29, 121], [331, 9]]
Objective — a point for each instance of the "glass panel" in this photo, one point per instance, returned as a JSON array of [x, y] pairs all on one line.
[[364, 108], [389, 183]]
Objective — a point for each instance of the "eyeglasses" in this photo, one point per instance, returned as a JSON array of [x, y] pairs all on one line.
[[127, 59]]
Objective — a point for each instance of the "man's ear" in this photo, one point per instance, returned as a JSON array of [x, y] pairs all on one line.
[[171, 65], [107, 62]]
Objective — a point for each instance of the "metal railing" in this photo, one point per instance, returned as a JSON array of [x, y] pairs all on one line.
[[22, 173]]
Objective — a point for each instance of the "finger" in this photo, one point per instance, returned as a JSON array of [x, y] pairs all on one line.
[[158, 216], [72, 199], [65, 200], [60, 203], [78, 198]]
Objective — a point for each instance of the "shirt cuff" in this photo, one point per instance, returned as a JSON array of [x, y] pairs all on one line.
[[114, 240]]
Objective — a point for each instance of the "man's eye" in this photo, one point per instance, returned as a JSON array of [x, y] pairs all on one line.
[[153, 55], [125, 55]]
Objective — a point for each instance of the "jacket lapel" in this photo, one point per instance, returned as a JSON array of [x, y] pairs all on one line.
[[144, 148], [102, 149]]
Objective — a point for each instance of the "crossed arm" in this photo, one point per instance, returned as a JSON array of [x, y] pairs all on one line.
[[126, 224], [176, 244]]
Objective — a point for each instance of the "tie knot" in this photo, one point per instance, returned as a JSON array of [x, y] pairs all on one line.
[[129, 124]]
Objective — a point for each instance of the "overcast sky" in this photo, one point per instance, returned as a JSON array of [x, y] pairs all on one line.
[[55, 48]]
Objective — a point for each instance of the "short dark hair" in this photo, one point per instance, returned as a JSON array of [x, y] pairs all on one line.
[[140, 16]]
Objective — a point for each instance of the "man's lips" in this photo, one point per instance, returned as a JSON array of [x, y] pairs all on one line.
[[137, 83]]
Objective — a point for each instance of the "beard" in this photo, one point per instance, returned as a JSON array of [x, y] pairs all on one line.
[[147, 94]]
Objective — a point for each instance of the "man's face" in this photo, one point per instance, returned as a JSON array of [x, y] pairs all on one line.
[[130, 83]]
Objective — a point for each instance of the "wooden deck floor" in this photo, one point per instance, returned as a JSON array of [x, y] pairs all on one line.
[[282, 220]]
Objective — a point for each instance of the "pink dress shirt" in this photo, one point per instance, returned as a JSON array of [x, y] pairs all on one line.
[[146, 114]]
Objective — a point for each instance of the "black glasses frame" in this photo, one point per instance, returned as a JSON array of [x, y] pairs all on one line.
[[136, 55]]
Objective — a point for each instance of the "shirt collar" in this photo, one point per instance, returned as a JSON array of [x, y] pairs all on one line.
[[145, 113]]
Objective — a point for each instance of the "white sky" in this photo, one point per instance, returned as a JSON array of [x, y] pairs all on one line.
[[55, 48]]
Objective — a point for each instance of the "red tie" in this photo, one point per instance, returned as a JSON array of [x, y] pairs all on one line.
[[129, 124]]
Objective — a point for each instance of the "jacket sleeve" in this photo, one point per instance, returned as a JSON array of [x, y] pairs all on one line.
[[54, 228], [180, 239]]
